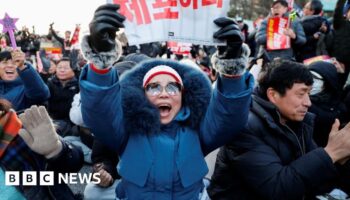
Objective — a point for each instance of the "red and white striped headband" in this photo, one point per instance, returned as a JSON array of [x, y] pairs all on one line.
[[158, 70]]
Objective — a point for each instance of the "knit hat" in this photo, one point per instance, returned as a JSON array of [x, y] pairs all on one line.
[[282, 2], [161, 69], [328, 71]]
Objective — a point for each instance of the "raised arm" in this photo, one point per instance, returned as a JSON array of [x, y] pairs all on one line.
[[229, 105], [35, 89], [100, 89]]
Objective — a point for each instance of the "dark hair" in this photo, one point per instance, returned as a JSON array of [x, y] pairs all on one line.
[[284, 3], [316, 6], [63, 59], [5, 55], [281, 75]]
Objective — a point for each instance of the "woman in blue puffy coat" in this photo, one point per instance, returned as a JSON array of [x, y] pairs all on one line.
[[162, 117]]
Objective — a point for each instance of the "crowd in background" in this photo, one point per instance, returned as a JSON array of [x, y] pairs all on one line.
[[59, 62]]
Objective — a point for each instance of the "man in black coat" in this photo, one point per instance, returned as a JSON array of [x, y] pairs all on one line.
[[275, 156], [315, 27]]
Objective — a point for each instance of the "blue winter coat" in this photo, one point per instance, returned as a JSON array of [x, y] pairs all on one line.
[[26, 90], [163, 161]]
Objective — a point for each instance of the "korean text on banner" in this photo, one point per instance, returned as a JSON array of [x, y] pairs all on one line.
[[276, 40], [180, 48], [171, 20]]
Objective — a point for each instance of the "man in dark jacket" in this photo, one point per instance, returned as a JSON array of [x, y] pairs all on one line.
[[275, 156], [315, 27], [63, 86]]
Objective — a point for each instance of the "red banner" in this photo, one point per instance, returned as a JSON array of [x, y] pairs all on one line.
[[75, 38], [179, 48], [276, 40]]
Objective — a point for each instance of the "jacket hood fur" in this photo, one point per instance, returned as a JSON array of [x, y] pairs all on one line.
[[141, 116]]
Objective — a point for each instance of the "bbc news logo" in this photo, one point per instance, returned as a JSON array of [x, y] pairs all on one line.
[[46, 178]]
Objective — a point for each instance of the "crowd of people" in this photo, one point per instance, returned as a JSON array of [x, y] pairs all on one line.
[[145, 118]]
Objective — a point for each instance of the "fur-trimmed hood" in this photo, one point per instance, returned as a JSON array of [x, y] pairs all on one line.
[[141, 116]]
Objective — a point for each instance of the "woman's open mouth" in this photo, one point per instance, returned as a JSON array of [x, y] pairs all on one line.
[[164, 109]]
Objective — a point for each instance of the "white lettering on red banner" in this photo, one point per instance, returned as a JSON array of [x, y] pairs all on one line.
[[177, 20]]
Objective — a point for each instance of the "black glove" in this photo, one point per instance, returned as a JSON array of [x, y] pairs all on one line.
[[103, 27], [230, 32], [73, 59]]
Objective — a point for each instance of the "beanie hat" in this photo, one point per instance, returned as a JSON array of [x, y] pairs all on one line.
[[161, 69], [328, 71]]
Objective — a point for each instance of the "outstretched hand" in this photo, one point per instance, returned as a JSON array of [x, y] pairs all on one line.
[[338, 146], [103, 27], [230, 32], [39, 132]]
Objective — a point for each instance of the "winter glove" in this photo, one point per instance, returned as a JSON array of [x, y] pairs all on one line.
[[231, 59], [230, 32], [39, 133], [103, 27], [73, 59]]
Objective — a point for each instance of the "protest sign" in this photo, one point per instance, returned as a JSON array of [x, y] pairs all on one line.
[[179, 48], [176, 20], [276, 40]]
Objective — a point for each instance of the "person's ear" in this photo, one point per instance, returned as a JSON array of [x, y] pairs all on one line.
[[272, 95]]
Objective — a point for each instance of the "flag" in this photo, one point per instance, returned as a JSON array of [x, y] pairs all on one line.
[[75, 37]]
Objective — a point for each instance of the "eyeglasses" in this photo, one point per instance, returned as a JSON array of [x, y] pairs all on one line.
[[154, 89]]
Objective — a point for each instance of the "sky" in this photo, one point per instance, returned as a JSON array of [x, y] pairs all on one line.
[[41, 13]]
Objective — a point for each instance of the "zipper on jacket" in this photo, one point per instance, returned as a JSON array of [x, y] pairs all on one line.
[[301, 146]]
